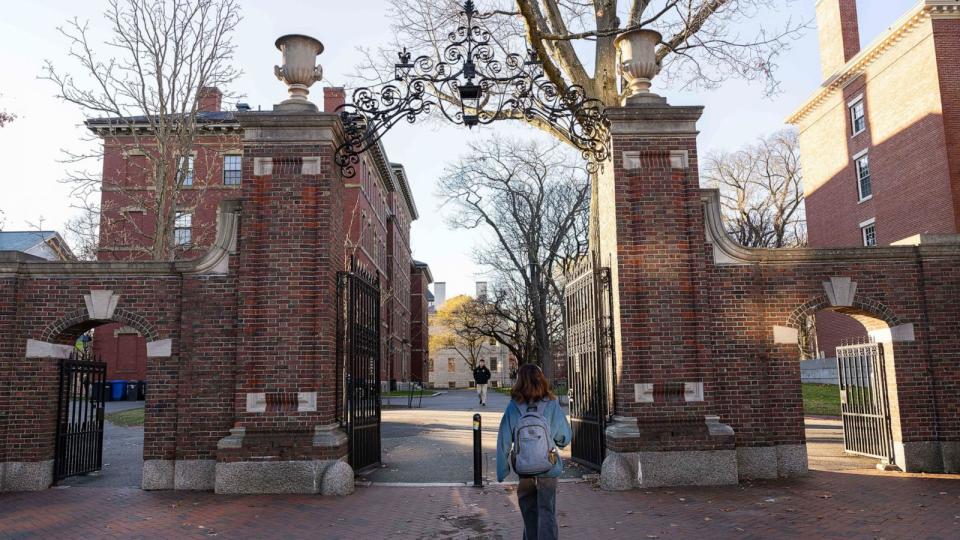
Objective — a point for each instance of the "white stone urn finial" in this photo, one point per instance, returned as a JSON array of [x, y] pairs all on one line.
[[638, 65], [299, 70]]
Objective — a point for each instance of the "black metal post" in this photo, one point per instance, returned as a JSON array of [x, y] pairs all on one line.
[[477, 460]]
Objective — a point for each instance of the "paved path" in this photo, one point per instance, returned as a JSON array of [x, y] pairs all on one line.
[[434, 443], [822, 505], [122, 453]]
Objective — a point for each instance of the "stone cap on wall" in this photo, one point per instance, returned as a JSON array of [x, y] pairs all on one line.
[[726, 251]]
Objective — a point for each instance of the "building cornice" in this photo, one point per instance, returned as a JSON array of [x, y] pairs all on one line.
[[927, 9]]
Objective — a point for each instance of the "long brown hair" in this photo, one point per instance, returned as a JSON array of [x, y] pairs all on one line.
[[531, 386]]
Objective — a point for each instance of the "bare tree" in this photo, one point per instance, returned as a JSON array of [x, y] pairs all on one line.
[[532, 199], [83, 230], [6, 118], [761, 191], [144, 96], [705, 41]]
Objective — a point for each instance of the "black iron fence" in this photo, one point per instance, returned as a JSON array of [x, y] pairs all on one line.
[[589, 359], [79, 435], [358, 355]]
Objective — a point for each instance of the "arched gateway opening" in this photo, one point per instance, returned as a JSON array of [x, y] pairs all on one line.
[[851, 407], [100, 428]]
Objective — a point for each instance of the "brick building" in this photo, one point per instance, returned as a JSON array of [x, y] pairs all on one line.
[[880, 138], [420, 279], [378, 210]]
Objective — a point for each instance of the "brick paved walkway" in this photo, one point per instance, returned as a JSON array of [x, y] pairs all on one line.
[[823, 505]]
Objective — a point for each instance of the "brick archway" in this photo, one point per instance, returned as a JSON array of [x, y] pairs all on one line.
[[56, 330], [860, 308]]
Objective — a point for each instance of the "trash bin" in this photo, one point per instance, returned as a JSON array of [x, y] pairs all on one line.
[[118, 390], [142, 390], [132, 390], [98, 390]]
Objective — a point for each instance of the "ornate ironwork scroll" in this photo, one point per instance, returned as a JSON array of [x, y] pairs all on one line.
[[470, 85]]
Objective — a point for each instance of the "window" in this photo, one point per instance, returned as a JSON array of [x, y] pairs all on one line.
[[862, 166], [858, 116], [186, 166], [182, 227], [493, 364], [451, 365], [231, 170], [868, 231]]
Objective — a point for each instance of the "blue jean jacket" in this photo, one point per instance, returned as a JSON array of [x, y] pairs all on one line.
[[559, 428]]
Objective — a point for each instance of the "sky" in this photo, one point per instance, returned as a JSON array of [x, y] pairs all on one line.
[[31, 193]]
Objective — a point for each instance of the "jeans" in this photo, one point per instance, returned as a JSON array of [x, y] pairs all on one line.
[[482, 392], [538, 506]]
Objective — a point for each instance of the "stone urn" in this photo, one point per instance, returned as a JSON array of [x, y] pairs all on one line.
[[638, 65], [299, 70]]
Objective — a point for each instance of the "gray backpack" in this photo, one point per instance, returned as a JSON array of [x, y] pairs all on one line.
[[533, 446]]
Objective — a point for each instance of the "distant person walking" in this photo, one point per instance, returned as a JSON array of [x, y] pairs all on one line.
[[533, 427], [481, 376]]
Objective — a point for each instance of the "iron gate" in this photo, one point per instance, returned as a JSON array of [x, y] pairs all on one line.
[[589, 359], [79, 436], [358, 295], [864, 402]]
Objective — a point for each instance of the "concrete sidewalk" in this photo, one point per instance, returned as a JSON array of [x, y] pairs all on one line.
[[822, 505]]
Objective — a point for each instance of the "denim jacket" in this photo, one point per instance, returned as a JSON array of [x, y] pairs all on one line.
[[559, 428]]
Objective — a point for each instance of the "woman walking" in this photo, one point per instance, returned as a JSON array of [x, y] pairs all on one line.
[[532, 428]]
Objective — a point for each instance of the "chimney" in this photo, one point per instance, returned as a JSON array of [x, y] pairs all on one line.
[[439, 293], [481, 290], [839, 34], [209, 98], [333, 97]]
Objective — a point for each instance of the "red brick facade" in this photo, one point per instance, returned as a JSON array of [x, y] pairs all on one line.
[[241, 343], [420, 279], [694, 309], [906, 84], [378, 210]]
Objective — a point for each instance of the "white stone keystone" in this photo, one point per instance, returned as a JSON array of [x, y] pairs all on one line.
[[101, 304], [840, 291]]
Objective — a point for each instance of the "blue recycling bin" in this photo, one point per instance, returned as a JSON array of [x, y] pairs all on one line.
[[118, 390]]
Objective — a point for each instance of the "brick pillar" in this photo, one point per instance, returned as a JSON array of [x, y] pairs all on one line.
[[665, 430], [290, 250]]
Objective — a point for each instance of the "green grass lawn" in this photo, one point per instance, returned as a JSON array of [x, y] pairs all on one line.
[[822, 399], [128, 418]]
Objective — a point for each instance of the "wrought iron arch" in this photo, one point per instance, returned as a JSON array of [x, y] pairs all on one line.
[[81, 317], [479, 88]]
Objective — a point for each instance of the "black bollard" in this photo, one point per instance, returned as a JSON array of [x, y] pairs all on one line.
[[477, 460]]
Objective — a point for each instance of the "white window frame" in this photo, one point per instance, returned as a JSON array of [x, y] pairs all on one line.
[[856, 172], [178, 227], [240, 170], [187, 178], [853, 119], [872, 222]]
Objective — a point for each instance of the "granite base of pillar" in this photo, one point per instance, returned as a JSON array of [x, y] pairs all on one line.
[[641, 458], [26, 475], [305, 463], [766, 462], [924, 456]]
